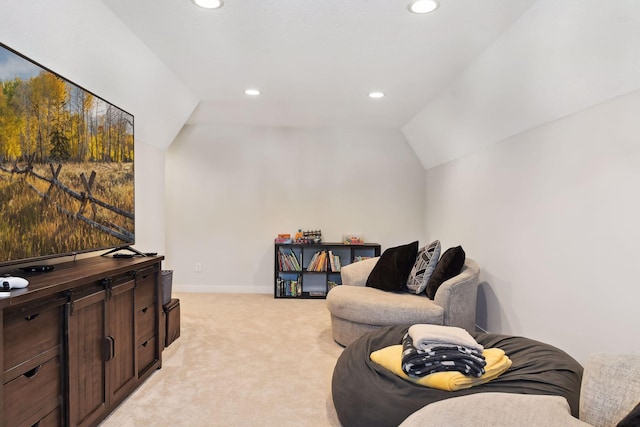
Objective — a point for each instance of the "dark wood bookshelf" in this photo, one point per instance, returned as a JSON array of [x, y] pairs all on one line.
[[313, 284]]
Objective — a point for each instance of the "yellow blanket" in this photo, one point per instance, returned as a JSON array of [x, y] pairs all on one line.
[[497, 363]]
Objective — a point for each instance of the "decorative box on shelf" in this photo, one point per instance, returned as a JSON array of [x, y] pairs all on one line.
[[283, 238], [352, 239]]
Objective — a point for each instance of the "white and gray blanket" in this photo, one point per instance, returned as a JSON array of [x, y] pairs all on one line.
[[440, 357]]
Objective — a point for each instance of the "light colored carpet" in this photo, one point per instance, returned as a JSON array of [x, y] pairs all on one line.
[[241, 360]]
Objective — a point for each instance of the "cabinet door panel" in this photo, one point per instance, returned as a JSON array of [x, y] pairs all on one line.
[[121, 329], [87, 376]]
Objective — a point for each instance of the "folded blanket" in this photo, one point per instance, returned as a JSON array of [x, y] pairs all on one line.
[[440, 358], [497, 363], [422, 369], [424, 335]]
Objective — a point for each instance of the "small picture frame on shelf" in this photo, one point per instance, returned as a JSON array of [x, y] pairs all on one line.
[[352, 239]]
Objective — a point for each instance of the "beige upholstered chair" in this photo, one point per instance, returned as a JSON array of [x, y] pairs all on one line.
[[610, 390], [357, 309]]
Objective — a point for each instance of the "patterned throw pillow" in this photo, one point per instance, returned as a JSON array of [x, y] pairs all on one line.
[[423, 267]]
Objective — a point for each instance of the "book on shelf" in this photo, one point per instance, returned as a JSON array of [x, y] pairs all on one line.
[[360, 258], [288, 288], [313, 261], [318, 262], [335, 262], [283, 238], [317, 294], [324, 261], [287, 260], [332, 263]]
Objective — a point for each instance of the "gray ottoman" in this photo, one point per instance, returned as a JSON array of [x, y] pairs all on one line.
[[366, 394]]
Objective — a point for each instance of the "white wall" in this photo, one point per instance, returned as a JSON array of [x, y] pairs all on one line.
[[547, 118], [552, 217], [150, 201], [231, 190], [559, 57]]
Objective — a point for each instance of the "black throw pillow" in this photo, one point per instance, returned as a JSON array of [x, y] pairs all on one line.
[[392, 269], [450, 265], [632, 419]]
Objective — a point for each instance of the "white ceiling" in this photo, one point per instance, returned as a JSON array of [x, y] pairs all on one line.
[[315, 61]]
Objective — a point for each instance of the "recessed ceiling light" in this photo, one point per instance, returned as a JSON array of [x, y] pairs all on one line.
[[423, 6], [376, 95], [209, 4], [252, 92]]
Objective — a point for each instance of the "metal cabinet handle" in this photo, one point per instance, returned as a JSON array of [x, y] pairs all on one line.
[[109, 348]]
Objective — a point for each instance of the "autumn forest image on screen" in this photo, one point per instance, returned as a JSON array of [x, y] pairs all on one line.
[[66, 165]]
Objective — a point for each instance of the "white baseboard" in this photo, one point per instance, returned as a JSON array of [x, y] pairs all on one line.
[[222, 289]]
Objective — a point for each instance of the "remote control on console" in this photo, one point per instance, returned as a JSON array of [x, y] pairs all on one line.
[[7, 283]]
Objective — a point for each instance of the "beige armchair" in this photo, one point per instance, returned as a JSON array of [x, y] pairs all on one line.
[[356, 309], [610, 390]]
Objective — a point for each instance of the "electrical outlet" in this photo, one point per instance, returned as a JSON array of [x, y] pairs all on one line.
[[198, 267]]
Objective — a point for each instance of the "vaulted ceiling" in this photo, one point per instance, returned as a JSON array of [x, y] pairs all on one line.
[[315, 61]]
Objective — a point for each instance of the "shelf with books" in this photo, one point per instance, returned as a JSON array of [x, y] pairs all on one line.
[[288, 287], [311, 270], [288, 259]]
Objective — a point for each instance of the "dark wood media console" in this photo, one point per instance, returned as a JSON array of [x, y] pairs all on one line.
[[78, 340]]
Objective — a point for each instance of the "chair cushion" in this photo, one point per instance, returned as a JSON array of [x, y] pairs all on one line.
[[375, 307]]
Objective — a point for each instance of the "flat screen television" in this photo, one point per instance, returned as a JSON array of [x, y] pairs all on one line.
[[66, 166]]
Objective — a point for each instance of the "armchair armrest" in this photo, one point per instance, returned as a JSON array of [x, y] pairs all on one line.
[[356, 274], [497, 410], [458, 297], [610, 388]]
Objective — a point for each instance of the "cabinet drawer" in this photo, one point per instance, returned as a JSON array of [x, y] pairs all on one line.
[[146, 354], [145, 323], [146, 281], [36, 391], [31, 333], [52, 419]]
